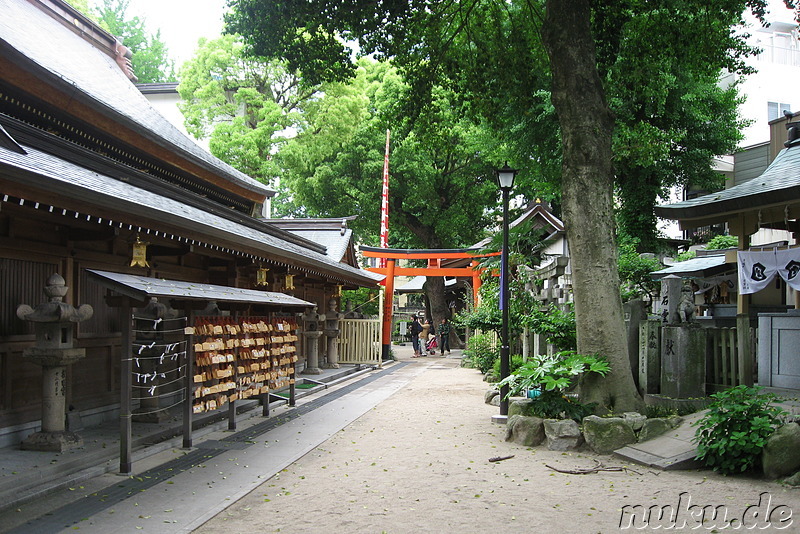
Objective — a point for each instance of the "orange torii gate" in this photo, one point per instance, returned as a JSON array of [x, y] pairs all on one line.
[[434, 268]]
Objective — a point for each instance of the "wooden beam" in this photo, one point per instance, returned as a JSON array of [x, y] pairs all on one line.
[[400, 254], [425, 271]]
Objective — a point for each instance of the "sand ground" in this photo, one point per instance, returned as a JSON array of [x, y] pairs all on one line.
[[419, 462]]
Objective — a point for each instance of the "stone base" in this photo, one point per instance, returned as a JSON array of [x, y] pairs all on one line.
[[500, 419], [312, 371], [160, 416], [331, 366], [52, 441]]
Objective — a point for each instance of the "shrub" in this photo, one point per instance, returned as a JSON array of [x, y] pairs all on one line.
[[514, 363], [552, 375], [720, 242], [482, 351], [731, 435]]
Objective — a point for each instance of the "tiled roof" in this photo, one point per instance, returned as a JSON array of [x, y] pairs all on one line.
[[45, 171], [779, 183], [142, 287], [94, 78], [699, 267]]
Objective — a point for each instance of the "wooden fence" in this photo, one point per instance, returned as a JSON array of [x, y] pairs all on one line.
[[723, 368], [360, 341]]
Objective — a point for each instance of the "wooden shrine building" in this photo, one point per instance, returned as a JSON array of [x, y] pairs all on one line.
[[93, 178]]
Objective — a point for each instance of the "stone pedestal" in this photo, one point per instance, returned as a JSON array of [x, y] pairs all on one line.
[[649, 356], [312, 322], [683, 361], [53, 436], [332, 332], [312, 352]]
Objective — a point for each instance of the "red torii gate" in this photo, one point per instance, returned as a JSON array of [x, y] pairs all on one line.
[[434, 268]]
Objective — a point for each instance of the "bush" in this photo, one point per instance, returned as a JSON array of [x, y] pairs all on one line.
[[515, 361], [720, 242], [552, 375], [482, 352], [730, 437]]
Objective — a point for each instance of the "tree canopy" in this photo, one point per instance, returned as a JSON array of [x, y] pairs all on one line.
[[150, 59], [241, 104], [560, 81]]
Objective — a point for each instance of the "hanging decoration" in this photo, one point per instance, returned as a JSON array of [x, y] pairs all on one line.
[[289, 283], [261, 276], [758, 268], [338, 292], [139, 253]]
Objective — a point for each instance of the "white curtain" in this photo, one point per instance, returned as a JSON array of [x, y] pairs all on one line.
[[758, 268]]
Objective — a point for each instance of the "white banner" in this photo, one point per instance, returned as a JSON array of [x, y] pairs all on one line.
[[758, 268], [788, 262]]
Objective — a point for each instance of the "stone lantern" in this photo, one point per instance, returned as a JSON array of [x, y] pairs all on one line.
[[312, 330], [332, 332], [53, 326]]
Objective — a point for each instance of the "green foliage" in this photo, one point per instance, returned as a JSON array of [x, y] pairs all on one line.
[[243, 105], [552, 375], [150, 57], [557, 325], [732, 434], [720, 242], [515, 361], [556, 372], [555, 405], [363, 300], [441, 191], [686, 255], [634, 272], [482, 352]]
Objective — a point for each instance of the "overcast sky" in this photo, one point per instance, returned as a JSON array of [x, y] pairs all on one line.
[[182, 22]]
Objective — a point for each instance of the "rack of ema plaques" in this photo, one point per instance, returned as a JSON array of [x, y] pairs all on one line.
[[241, 358]]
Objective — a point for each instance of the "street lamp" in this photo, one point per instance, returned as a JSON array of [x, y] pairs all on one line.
[[505, 178]]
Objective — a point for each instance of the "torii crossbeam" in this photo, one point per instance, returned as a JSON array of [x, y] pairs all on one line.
[[434, 268]]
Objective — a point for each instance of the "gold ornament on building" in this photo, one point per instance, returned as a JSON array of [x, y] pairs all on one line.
[[289, 281], [139, 254], [338, 290], [261, 276]]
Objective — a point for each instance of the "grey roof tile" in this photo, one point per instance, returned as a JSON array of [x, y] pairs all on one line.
[[95, 78]]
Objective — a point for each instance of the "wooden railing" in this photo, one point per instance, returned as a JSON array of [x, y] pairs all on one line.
[[360, 341], [723, 367]]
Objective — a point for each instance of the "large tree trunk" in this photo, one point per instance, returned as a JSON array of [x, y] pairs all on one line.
[[587, 187], [438, 310]]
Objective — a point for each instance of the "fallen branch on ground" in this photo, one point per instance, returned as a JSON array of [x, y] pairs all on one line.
[[587, 470], [500, 458]]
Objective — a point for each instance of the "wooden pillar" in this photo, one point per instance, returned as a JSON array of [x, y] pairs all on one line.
[[188, 395], [476, 282], [126, 372], [388, 305], [743, 353]]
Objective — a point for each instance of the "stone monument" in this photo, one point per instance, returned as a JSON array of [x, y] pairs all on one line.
[[312, 323], [53, 326], [683, 343]]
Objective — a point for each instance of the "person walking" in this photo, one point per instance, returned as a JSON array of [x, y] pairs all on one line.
[[444, 332], [423, 337], [416, 329]]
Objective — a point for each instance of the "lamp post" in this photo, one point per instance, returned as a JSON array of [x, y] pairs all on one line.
[[505, 178]]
